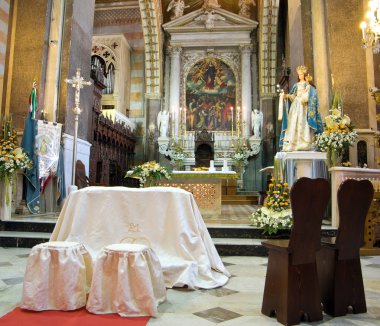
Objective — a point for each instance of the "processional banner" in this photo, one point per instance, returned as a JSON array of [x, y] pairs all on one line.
[[47, 144]]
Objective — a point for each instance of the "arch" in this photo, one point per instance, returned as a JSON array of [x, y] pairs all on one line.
[[361, 148], [104, 55]]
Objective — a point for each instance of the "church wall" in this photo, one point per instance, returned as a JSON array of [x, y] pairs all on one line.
[[77, 46], [347, 58], [27, 55], [308, 59], [4, 20]]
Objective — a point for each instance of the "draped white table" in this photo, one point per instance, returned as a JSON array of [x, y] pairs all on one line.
[[166, 218]]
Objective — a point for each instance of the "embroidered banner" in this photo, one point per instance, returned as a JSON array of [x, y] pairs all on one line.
[[47, 145]]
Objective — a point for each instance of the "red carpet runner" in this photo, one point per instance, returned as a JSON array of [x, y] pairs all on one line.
[[81, 317]]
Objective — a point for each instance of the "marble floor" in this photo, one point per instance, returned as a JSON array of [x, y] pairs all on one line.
[[237, 303]]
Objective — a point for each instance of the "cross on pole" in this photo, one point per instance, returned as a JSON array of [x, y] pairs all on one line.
[[78, 83]]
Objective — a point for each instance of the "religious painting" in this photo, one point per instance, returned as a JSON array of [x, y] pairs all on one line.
[[210, 96]]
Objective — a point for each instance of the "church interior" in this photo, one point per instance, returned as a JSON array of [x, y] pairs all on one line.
[[232, 103]]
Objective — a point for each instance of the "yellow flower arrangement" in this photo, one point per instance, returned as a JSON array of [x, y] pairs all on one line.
[[12, 157], [276, 213]]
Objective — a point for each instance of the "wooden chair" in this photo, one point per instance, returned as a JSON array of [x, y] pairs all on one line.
[[339, 269], [81, 180], [291, 286]]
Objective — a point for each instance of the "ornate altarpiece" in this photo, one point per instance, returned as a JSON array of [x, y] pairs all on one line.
[[210, 64]]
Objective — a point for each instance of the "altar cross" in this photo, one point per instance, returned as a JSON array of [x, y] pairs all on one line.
[[78, 83]]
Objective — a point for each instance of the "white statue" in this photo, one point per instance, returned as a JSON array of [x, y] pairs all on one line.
[[244, 7], [257, 123], [177, 7], [163, 123], [209, 18], [210, 4]]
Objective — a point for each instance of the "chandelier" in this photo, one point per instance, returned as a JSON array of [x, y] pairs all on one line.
[[371, 27]]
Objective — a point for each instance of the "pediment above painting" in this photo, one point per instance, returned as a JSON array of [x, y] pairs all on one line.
[[210, 20]]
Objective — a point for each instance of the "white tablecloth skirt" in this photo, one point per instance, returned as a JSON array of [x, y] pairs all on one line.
[[57, 277], [127, 280]]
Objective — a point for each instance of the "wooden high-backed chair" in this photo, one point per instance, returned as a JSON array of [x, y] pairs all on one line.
[[81, 180], [339, 269], [291, 286]]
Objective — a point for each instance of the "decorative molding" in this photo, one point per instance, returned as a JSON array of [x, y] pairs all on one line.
[[151, 20], [268, 49], [110, 17]]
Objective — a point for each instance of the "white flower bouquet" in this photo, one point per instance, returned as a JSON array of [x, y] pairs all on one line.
[[338, 133], [149, 173]]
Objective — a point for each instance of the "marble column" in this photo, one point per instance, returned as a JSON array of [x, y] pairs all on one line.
[[320, 51], [175, 73], [246, 88]]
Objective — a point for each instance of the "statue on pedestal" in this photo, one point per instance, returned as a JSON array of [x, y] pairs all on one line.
[[163, 123], [302, 120]]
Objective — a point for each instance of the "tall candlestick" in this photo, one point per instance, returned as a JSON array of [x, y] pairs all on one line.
[[185, 126], [232, 122], [180, 122]]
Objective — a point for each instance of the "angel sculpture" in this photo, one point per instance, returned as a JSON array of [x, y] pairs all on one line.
[[207, 4], [244, 7], [209, 18], [177, 7], [257, 123]]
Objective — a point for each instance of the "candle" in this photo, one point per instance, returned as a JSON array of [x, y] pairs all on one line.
[[232, 122], [363, 25], [180, 121], [185, 126], [171, 116]]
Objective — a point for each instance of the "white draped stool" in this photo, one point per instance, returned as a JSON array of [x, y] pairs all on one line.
[[127, 280], [57, 277]]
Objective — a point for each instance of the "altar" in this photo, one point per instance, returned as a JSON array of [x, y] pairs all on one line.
[[206, 187]]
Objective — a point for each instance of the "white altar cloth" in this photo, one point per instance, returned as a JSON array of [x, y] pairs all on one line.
[[168, 218]]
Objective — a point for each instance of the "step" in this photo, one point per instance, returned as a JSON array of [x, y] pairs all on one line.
[[238, 197], [244, 231], [239, 202], [19, 239], [229, 239]]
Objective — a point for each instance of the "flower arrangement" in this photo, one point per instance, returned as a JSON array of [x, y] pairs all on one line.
[[149, 173], [177, 156], [338, 133], [12, 156], [241, 156], [375, 93], [276, 213]]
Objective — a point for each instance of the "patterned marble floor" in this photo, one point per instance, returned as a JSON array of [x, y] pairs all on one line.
[[237, 303]]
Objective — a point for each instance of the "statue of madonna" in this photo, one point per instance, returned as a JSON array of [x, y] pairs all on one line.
[[302, 120]]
